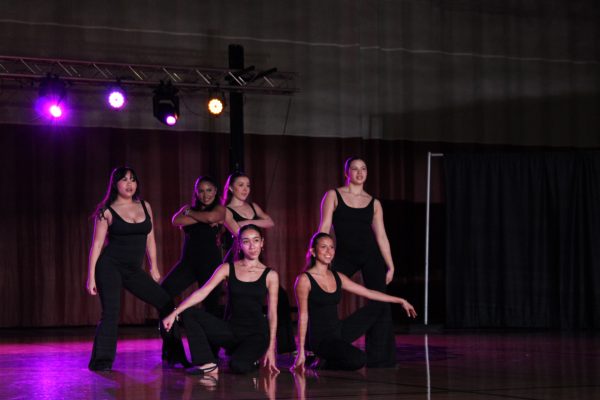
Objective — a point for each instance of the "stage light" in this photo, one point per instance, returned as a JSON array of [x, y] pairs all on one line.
[[216, 104], [116, 97], [50, 102], [165, 103]]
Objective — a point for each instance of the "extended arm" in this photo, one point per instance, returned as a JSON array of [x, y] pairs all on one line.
[[353, 287], [220, 274], [269, 360], [382, 241], [100, 230], [301, 289], [328, 205], [151, 249]]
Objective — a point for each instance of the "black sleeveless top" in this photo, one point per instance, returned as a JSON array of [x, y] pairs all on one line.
[[200, 239], [237, 217], [127, 240], [353, 231], [245, 303], [227, 238], [323, 320]]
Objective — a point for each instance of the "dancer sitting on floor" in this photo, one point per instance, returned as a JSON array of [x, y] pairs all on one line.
[[240, 211], [199, 257], [246, 334], [318, 293]]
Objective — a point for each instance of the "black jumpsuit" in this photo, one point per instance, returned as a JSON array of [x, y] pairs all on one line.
[[120, 265], [357, 249], [331, 338], [199, 259], [285, 332], [245, 333]]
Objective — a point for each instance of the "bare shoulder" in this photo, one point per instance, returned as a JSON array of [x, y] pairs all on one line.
[[302, 282]]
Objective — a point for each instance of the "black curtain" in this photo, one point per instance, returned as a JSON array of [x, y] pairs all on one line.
[[523, 240]]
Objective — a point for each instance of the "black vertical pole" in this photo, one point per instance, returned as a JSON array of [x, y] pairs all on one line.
[[236, 113]]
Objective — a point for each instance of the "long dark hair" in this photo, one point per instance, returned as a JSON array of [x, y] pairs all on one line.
[[111, 193], [314, 242], [198, 205], [239, 254], [230, 181]]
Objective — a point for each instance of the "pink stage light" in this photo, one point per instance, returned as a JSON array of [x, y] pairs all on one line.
[[170, 120], [55, 111]]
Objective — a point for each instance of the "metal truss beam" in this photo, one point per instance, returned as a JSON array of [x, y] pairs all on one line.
[[249, 80]]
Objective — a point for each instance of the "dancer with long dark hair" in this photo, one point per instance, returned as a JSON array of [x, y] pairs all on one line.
[[125, 220], [200, 255], [240, 212], [318, 292], [247, 334], [362, 244]]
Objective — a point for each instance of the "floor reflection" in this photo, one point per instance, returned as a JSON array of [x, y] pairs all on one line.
[[52, 364]]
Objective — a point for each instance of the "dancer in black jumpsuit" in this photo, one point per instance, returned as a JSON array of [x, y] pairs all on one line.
[[241, 212], [318, 293], [199, 257], [128, 222], [247, 334], [362, 244]]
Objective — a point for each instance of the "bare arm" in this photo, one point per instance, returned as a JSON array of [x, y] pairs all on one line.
[[328, 205], [382, 240], [151, 249], [353, 287], [100, 230], [269, 361], [220, 274], [214, 216], [301, 289], [263, 221], [230, 223]]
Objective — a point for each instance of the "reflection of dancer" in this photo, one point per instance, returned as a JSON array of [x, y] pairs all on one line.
[[241, 212], [247, 334], [362, 244], [199, 257], [127, 220], [318, 293]]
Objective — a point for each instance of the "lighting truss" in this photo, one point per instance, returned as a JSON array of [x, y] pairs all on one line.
[[269, 82]]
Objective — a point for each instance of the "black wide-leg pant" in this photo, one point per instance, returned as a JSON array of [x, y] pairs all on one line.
[[379, 339], [111, 277], [205, 332], [184, 274], [338, 352]]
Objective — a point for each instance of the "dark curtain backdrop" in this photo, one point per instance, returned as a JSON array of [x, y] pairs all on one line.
[[522, 240], [52, 178]]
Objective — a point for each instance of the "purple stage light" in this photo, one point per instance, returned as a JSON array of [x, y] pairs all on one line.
[[171, 120], [52, 93], [116, 99], [55, 111]]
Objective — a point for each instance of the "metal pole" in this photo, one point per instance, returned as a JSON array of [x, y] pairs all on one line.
[[427, 207]]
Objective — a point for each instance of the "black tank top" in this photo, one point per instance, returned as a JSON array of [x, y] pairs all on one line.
[[228, 238], [323, 320], [237, 217], [200, 238], [127, 240], [245, 303], [353, 232]]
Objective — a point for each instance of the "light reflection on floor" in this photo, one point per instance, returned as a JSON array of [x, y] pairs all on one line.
[[52, 364]]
